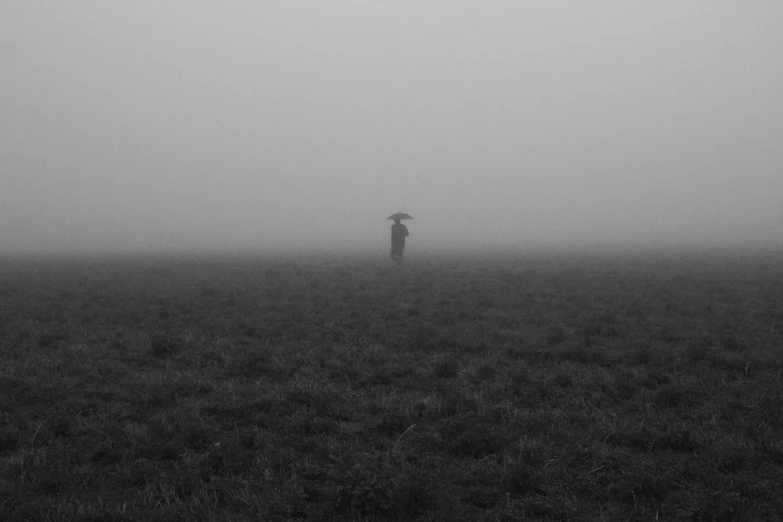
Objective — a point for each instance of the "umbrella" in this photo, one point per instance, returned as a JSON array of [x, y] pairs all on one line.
[[400, 215]]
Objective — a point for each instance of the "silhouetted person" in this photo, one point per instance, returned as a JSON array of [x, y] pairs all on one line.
[[398, 234]]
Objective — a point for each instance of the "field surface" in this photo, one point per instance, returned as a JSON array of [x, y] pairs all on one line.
[[508, 387]]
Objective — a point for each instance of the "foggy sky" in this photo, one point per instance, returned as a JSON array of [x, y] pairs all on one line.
[[262, 125]]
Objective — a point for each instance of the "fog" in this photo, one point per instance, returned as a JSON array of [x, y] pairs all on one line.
[[275, 125]]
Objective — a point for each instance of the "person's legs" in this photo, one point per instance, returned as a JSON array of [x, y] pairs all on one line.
[[396, 253]]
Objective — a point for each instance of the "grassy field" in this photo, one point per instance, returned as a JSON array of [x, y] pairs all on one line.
[[516, 386]]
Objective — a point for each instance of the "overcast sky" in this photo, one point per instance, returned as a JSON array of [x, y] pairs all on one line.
[[266, 124]]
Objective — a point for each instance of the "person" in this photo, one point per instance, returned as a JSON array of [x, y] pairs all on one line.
[[398, 234]]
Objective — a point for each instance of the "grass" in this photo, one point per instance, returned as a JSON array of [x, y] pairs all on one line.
[[546, 387]]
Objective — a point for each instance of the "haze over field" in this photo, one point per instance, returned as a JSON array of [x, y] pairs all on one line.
[[265, 125]]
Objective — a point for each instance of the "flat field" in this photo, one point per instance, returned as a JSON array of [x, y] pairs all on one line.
[[505, 387]]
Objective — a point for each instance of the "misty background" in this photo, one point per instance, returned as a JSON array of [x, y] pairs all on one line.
[[267, 125]]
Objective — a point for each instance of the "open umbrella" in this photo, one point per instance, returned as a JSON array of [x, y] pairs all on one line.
[[400, 215]]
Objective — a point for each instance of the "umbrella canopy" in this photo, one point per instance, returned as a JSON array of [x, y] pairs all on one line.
[[400, 215]]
